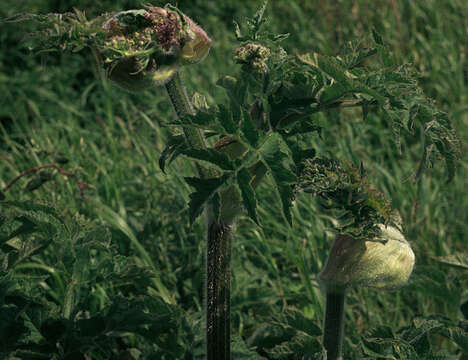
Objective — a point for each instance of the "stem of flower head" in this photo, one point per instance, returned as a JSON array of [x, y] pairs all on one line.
[[384, 261], [334, 323]]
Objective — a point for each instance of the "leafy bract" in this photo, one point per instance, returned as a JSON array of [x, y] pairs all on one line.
[[276, 156], [346, 190]]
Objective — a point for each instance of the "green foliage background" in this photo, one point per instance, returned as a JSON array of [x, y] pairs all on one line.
[[121, 272]]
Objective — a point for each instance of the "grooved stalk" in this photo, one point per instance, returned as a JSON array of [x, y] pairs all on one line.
[[334, 324], [218, 291], [218, 249], [182, 107]]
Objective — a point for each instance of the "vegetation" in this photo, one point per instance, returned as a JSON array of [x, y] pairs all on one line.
[[101, 257]]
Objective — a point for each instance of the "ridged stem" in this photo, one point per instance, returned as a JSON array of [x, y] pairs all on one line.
[[218, 291], [334, 324], [218, 248], [183, 106]]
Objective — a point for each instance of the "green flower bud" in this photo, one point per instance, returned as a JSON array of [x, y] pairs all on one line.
[[253, 58], [198, 43], [384, 262], [145, 48]]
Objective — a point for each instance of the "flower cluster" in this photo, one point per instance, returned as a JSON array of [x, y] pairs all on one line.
[[253, 58], [144, 48]]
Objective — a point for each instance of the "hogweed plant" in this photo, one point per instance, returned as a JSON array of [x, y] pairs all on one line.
[[264, 130]]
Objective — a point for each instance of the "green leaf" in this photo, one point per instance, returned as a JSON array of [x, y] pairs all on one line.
[[303, 127], [248, 194], [212, 156], [301, 346], [332, 68], [238, 34], [249, 132], [204, 190], [333, 93], [226, 120], [355, 52], [241, 351], [174, 147], [456, 260], [298, 321], [387, 60], [236, 90], [201, 120], [301, 155], [277, 158]]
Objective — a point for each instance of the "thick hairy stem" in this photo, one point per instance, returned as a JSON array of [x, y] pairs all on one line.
[[183, 106], [334, 324], [181, 102], [218, 249], [218, 291]]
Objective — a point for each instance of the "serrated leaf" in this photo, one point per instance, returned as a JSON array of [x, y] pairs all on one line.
[[301, 346], [248, 194], [241, 351], [212, 156], [225, 119], [268, 335], [332, 68], [238, 33], [249, 132], [333, 93], [303, 127], [174, 147], [201, 120], [298, 321], [204, 190], [275, 155], [384, 56]]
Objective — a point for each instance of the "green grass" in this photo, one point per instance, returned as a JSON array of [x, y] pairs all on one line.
[[113, 141]]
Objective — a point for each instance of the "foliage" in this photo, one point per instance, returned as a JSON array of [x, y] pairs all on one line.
[[278, 95], [45, 300]]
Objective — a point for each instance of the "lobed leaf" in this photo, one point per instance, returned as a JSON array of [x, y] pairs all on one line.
[[204, 191], [276, 156], [212, 156], [248, 194]]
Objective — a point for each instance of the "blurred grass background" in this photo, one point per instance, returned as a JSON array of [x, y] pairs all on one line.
[[55, 104]]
